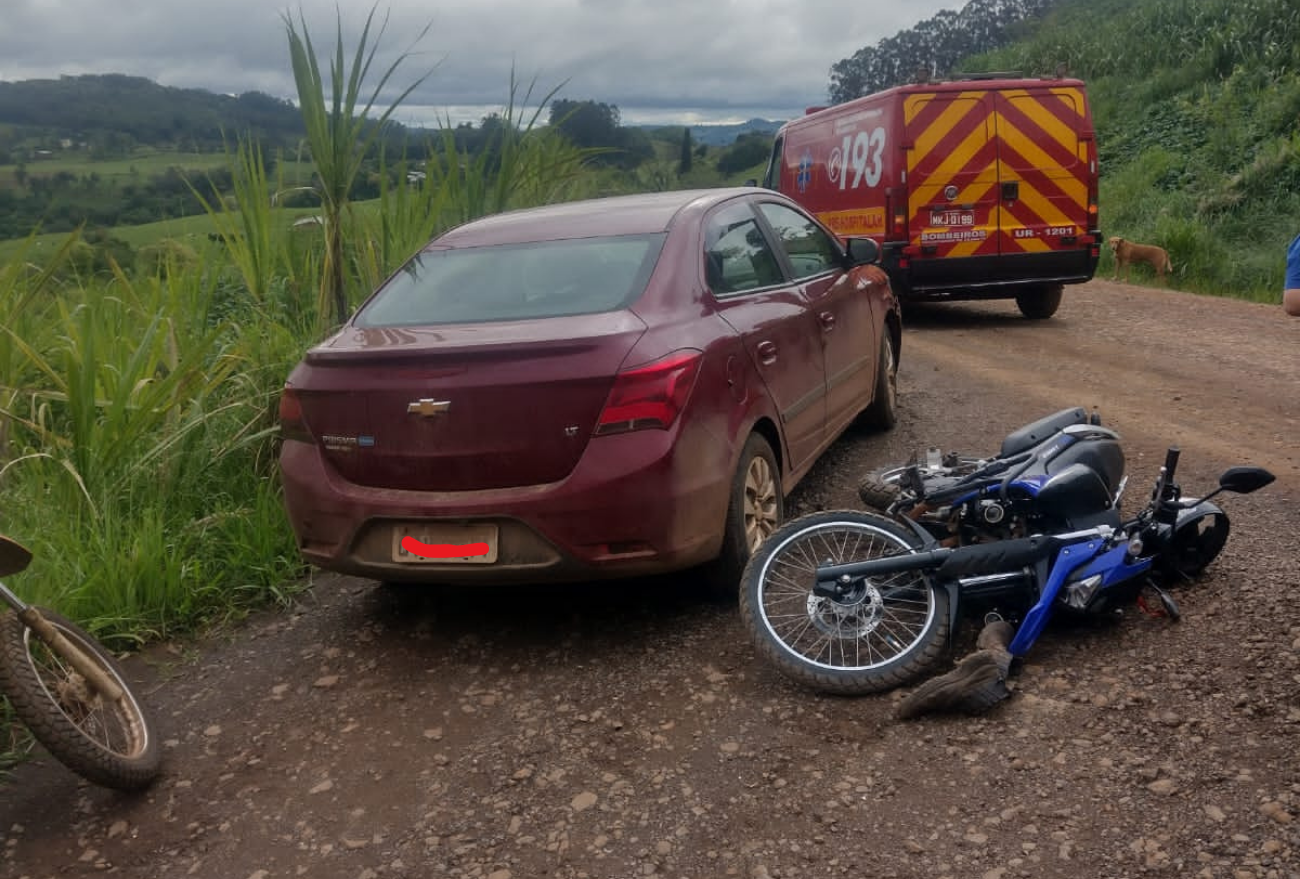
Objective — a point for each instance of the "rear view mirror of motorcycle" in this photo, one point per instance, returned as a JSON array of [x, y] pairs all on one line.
[[1244, 480]]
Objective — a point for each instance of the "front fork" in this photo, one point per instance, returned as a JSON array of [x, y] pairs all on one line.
[[102, 683]]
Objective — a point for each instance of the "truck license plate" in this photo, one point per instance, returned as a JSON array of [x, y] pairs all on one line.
[[952, 218]]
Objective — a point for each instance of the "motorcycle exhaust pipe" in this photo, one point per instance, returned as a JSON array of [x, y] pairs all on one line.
[[993, 584]]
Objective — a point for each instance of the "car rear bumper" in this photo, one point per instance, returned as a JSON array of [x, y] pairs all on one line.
[[636, 504]]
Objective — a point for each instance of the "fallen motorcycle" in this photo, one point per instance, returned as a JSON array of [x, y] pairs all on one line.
[[70, 692], [855, 602]]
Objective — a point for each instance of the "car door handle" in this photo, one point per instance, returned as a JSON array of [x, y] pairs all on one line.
[[767, 353], [828, 320]]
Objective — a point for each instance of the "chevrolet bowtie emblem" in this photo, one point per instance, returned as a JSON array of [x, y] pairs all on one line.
[[428, 407]]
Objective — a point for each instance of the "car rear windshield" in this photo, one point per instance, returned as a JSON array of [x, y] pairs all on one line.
[[515, 282]]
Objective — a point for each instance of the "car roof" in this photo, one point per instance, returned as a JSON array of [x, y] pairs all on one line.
[[613, 215]]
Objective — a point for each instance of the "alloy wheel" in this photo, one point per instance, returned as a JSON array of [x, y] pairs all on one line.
[[760, 502]]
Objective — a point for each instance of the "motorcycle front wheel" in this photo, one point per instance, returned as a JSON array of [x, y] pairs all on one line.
[[890, 630], [112, 744]]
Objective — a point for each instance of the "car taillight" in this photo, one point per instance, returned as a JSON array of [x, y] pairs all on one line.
[[292, 424], [650, 396]]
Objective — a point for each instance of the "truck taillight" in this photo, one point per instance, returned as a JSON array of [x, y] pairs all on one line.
[[650, 396], [900, 222], [293, 426]]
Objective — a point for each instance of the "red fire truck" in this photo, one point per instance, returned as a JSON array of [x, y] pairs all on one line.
[[977, 188]]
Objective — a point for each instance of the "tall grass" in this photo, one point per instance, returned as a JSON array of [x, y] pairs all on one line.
[[520, 165], [131, 446], [339, 136]]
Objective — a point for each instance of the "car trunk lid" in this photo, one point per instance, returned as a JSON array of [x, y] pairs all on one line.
[[463, 407]]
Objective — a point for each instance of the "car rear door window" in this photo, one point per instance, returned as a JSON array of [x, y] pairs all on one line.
[[810, 250], [737, 254]]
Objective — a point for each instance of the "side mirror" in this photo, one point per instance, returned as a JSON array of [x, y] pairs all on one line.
[[863, 251], [1244, 480]]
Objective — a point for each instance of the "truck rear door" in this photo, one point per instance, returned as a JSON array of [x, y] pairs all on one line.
[[1044, 169], [952, 176]]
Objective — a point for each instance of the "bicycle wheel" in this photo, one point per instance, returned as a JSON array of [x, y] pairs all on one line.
[[112, 744]]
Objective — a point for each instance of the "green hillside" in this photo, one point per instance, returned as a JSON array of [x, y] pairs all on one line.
[[1197, 110]]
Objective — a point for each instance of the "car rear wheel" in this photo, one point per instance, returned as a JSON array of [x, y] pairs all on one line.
[[756, 509]]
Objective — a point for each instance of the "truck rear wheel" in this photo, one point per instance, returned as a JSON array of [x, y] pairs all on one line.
[[1040, 303]]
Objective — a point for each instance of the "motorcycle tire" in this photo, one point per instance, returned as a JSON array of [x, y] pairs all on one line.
[[113, 745], [893, 631], [876, 491]]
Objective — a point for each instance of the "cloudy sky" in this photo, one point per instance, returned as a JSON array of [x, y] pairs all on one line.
[[686, 61]]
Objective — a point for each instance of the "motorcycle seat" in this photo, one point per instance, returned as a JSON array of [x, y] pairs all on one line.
[[1036, 431]]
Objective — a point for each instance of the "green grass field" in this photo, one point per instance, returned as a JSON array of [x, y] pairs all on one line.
[[140, 166], [188, 229]]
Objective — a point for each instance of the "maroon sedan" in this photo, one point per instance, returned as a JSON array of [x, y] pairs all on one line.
[[603, 388]]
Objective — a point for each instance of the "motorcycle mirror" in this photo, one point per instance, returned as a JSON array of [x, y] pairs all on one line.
[[1244, 480]]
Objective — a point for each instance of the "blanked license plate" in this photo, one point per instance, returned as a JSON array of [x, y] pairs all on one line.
[[433, 543]]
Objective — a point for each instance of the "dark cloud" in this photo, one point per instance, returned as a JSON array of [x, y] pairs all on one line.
[[725, 56]]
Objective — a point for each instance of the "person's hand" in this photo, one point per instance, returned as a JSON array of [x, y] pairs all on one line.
[[1291, 302]]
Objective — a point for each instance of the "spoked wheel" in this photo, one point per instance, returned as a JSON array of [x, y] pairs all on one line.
[[109, 743], [886, 632]]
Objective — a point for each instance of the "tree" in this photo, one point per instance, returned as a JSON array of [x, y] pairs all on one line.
[[684, 164], [586, 123], [934, 47], [748, 150]]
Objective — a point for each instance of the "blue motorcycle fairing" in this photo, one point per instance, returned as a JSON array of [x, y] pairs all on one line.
[[1067, 561], [1115, 567]]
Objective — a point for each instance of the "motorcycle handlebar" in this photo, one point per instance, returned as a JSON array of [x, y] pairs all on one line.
[[1171, 462], [1164, 512]]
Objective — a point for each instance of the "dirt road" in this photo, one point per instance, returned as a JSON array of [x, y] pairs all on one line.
[[629, 730]]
